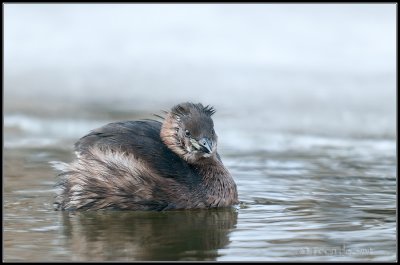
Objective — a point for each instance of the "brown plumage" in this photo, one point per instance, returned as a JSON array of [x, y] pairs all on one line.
[[148, 165]]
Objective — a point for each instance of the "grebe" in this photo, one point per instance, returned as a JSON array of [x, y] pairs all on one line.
[[148, 165]]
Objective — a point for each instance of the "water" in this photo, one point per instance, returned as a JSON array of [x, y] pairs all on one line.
[[308, 130], [308, 198]]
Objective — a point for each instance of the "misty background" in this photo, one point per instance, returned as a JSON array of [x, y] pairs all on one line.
[[322, 69]]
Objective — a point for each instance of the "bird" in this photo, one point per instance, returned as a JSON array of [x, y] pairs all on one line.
[[148, 165]]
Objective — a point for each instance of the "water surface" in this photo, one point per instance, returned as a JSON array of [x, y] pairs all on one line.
[[302, 198]]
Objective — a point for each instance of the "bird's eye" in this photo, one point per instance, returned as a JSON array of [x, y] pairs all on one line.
[[187, 133]]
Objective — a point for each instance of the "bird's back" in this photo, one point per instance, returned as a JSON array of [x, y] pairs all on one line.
[[142, 140]]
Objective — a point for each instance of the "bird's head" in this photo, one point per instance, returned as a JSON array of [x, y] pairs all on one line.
[[188, 130]]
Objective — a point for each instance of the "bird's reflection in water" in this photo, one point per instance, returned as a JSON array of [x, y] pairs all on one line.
[[126, 236]]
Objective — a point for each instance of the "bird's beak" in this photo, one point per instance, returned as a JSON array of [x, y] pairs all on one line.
[[206, 145]]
